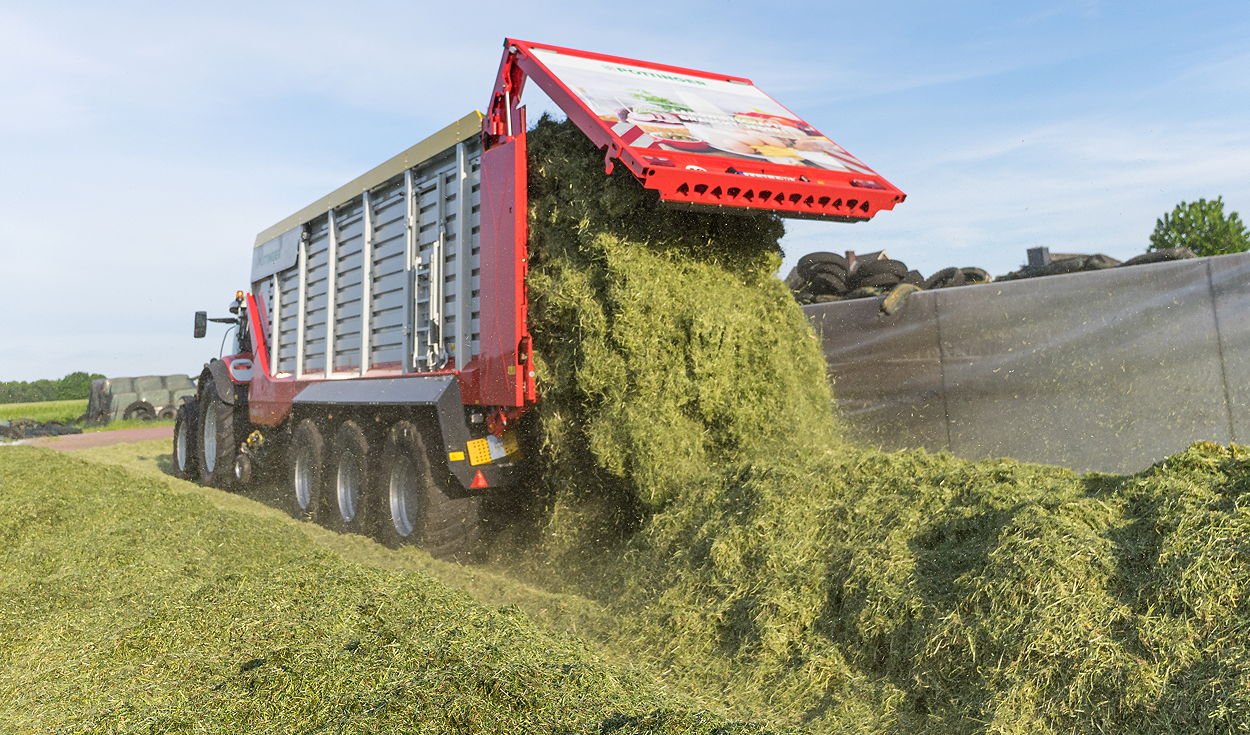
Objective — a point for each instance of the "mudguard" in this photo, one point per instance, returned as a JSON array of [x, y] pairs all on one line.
[[221, 381]]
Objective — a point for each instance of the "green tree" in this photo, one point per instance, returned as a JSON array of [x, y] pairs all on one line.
[[75, 385], [1202, 227]]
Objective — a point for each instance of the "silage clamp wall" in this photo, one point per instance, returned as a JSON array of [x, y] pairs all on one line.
[[1107, 370]]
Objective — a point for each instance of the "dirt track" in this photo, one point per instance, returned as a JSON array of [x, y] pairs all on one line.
[[70, 442]]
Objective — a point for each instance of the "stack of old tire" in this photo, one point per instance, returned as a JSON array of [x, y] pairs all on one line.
[[822, 277], [1096, 262], [818, 278]]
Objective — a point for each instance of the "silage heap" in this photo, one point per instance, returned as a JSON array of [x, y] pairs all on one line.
[[694, 478]]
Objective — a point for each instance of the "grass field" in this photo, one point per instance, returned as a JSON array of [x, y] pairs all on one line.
[[65, 411], [68, 412], [130, 603]]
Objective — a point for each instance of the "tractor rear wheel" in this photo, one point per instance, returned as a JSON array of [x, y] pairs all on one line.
[[186, 428], [218, 438]]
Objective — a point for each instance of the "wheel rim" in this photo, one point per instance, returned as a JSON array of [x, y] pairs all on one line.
[[210, 439], [303, 481], [180, 446], [348, 486], [404, 498]]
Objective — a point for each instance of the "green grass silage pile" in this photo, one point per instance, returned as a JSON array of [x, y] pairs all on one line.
[[130, 605], [693, 478]]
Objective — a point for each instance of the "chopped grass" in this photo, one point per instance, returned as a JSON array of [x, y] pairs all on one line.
[[130, 605], [64, 411], [693, 478]]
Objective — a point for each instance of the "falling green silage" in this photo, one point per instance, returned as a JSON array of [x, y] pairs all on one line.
[[693, 476], [655, 371]]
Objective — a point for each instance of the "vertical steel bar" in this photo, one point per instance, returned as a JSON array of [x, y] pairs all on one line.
[[464, 260], [301, 304], [275, 322], [332, 277], [366, 280], [410, 272], [434, 335]]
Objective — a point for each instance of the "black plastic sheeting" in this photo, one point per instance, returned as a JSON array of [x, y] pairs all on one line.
[[1108, 370]]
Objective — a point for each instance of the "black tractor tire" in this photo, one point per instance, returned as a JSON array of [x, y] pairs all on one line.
[[139, 411], [807, 261], [826, 283], [414, 505], [1161, 256], [167, 413], [351, 484], [218, 438], [1062, 267], [886, 280], [867, 268], [832, 269], [306, 490], [974, 275], [864, 292], [1098, 261], [186, 430], [939, 279]]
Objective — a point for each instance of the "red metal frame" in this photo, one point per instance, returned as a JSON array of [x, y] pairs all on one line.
[[269, 399]]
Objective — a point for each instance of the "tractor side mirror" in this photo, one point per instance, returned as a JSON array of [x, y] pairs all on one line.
[[201, 324]]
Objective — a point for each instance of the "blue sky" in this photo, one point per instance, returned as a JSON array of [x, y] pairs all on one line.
[[143, 145]]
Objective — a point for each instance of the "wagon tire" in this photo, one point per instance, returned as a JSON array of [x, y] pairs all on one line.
[[351, 484], [415, 505], [307, 478]]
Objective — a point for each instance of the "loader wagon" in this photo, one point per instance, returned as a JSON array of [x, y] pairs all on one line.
[[381, 358]]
